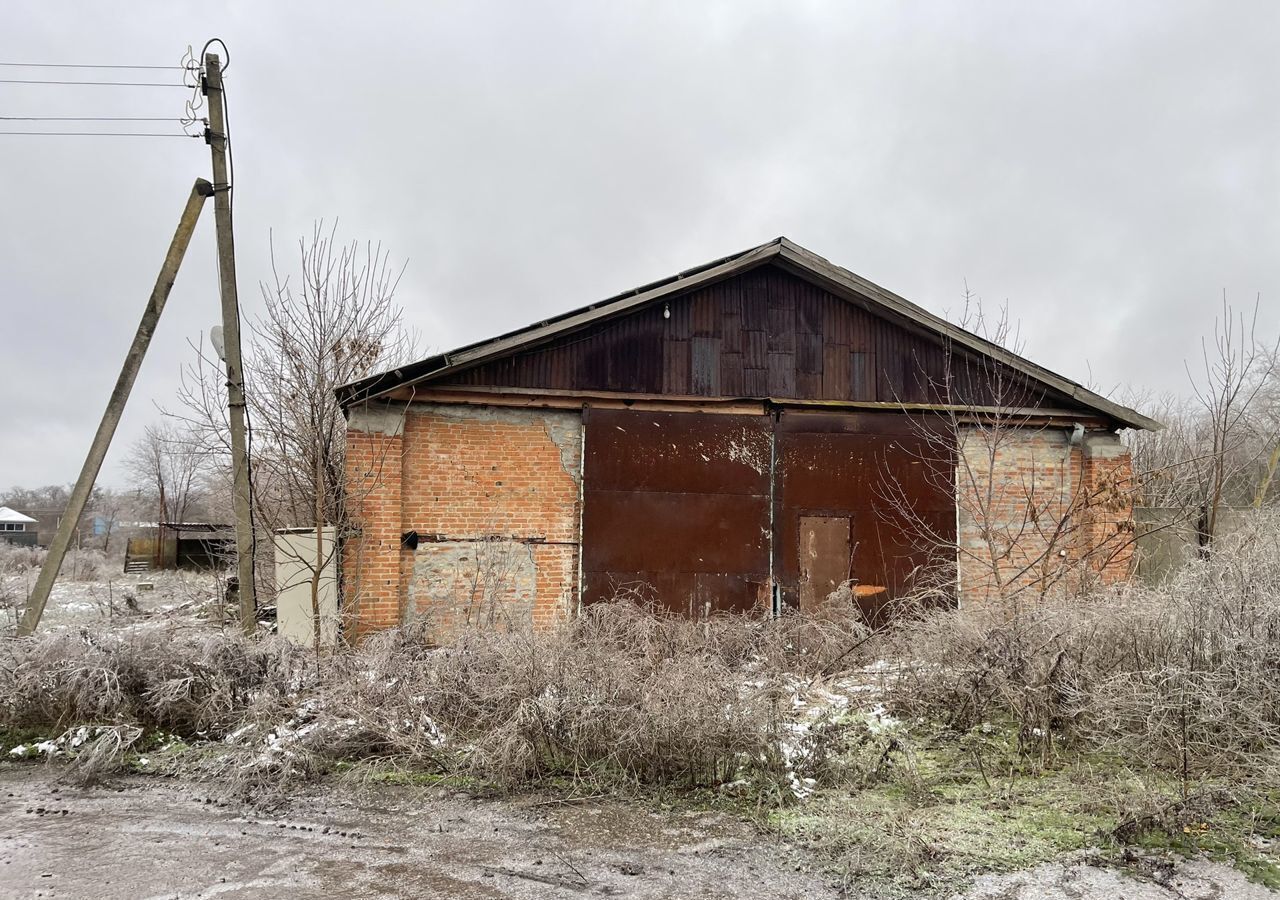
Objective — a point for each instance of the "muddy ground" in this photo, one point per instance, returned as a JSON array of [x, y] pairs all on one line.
[[159, 838]]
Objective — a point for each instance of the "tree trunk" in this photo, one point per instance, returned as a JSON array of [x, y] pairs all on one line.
[[318, 563]]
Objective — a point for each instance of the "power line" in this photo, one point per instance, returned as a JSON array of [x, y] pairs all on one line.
[[99, 83], [105, 134], [90, 119], [80, 66]]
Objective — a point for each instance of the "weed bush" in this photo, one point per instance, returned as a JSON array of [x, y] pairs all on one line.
[[617, 694], [1185, 675]]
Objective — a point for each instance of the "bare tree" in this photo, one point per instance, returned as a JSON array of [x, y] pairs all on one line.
[[1231, 383], [166, 463], [336, 322], [1029, 518], [1220, 447], [1266, 420], [106, 506]]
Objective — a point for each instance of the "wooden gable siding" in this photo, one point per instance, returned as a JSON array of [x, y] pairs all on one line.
[[763, 333]]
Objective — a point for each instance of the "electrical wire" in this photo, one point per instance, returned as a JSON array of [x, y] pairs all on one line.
[[97, 83], [193, 77], [100, 134], [90, 119], [226, 52], [231, 208], [248, 415], [22, 65]]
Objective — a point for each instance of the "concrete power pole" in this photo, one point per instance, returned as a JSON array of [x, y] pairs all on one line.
[[217, 137], [115, 408]]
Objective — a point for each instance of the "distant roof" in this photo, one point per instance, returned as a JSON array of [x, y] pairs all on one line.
[[781, 249], [197, 526], [12, 515]]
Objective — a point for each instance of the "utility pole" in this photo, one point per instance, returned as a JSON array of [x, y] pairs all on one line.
[[242, 496], [115, 408]]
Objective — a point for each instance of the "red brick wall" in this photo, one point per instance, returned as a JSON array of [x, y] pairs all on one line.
[[494, 492], [371, 595], [1037, 514], [1107, 482]]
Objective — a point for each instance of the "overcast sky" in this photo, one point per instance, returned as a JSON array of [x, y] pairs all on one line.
[[1108, 169]]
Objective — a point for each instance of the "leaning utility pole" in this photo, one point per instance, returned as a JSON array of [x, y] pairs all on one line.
[[115, 408], [243, 498]]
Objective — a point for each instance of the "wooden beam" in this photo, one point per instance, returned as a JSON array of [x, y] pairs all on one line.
[[560, 399]]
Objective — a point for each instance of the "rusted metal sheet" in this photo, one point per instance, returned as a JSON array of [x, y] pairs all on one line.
[[631, 531], [676, 509], [704, 362], [809, 356], [882, 475], [683, 453], [696, 595], [825, 551]]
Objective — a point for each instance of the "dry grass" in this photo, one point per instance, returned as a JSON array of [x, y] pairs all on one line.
[[192, 685], [96, 754], [1185, 676], [618, 695], [1185, 679]]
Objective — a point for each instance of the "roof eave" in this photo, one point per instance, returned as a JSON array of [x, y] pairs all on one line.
[[367, 389], [780, 248], [797, 255]]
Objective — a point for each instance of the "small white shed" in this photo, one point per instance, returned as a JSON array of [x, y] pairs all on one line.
[[297, 562]]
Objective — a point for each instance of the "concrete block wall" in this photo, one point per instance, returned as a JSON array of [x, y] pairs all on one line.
[[1036, 513], [494, 494]]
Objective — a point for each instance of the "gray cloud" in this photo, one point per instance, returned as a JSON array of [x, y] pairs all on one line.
[[1108, 169]]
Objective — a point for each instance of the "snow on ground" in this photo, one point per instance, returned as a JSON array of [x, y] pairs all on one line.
[[114, 599], [816, 703]]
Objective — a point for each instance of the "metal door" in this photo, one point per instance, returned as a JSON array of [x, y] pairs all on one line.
[[706, 512], [824, 550], [676, 509], [882, 473]]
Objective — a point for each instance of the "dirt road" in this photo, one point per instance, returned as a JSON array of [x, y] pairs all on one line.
[[153, 838], [163, 839]]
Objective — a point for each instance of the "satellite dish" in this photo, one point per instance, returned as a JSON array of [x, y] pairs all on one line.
[[215, 338]]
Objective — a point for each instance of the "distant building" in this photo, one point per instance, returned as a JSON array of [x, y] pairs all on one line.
[[15, 528], [198, 546]]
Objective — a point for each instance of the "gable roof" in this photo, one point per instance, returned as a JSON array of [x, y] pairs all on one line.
[[780, 251], [12, 515]]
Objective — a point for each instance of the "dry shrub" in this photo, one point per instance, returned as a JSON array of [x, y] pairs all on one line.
[[19, 560], [84, 565], [830, 641], [618, 693], [96, 754], [191, 684], [1185, 676]]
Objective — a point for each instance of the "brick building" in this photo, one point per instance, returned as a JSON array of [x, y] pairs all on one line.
[[744, 436]]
